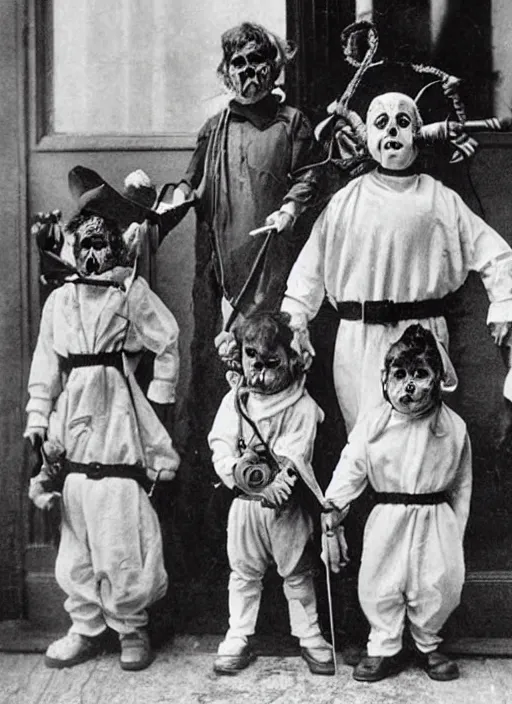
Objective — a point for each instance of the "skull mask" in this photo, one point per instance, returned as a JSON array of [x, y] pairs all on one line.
[[392, 124], [269, 364], [250, 73], [413, 372], [95, 250]]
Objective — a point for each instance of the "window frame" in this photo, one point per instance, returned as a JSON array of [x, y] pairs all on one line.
[[43, 139], [41, 136]]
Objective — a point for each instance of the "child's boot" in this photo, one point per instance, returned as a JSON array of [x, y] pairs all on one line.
[[136, 652], [233, 655], [317, 652], [373, 668], [438, 666], [71, 650]]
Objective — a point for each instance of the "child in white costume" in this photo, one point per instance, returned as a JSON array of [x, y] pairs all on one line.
[[268, 425], [102, 433], [387, 251], [415, 453]]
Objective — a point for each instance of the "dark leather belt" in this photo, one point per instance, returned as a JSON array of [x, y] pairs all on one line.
[[438, 497], [103, 359], [389, 312], [96, 470]]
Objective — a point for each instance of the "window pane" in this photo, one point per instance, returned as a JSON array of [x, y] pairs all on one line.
[[144, 66]]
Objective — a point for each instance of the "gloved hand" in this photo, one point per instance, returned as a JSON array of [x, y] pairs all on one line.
[[334, 545], [42, 498], [281, 220], [278, 492], [227, 348], [500, 331], [301, 342]]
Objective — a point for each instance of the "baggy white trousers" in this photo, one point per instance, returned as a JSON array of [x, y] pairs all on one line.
[[110, 561]]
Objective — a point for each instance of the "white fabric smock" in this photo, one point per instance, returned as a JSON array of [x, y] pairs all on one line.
[[400, 238], [257, 535], [110, 560], [413, 561]]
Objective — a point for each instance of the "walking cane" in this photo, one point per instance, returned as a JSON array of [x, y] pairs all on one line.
[[329, 600]]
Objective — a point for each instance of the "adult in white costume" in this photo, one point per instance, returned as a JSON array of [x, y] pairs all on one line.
[[387, 250], [415, 454], [268, 523], [102, 433]]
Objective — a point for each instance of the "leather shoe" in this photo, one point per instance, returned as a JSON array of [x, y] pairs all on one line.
[[373, 668], [438, 666], [231, 664], [320, 660]]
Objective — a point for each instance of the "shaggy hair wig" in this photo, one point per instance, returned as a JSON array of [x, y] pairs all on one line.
[[278, 51]]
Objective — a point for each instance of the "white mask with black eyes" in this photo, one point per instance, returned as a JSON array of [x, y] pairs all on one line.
[[392, 124], [413, 388]]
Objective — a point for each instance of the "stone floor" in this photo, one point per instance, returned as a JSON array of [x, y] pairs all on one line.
[[182, 674]]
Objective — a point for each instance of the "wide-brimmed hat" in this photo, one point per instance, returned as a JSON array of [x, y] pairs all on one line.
[[94, 195]]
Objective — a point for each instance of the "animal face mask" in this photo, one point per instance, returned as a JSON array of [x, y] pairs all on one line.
[[266, 369], [93, 249], [392, 124], [413, 369], [250, 73], [412, 388]]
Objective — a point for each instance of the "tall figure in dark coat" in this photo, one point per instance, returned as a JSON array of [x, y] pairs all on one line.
[[247, 171]]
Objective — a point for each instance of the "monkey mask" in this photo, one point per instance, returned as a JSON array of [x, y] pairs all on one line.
[[393, 124], [269, 364], [413, 371]]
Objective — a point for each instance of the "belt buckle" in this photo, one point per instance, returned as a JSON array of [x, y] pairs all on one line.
[[369, 316], [94, 470], [379, 312]]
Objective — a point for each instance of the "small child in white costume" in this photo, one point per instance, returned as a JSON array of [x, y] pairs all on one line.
[[262, 443], [415, 453], [102, 436]]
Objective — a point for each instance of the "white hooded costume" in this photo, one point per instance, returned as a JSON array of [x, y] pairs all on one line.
[[413, 561], [287, 421], [110, 561], [393, 236]]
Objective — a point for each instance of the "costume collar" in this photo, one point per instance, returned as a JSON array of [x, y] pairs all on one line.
[[261, 406], [118, 277], [261, 114], [411, 170]]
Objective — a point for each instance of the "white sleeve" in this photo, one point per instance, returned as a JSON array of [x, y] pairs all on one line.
[[460, 491], [491, 257], [223, 440], [306, 283], [350, 477], [156, 328], [44, 384]]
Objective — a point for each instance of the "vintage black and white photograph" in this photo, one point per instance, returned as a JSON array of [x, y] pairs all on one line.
[[256, 352]]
